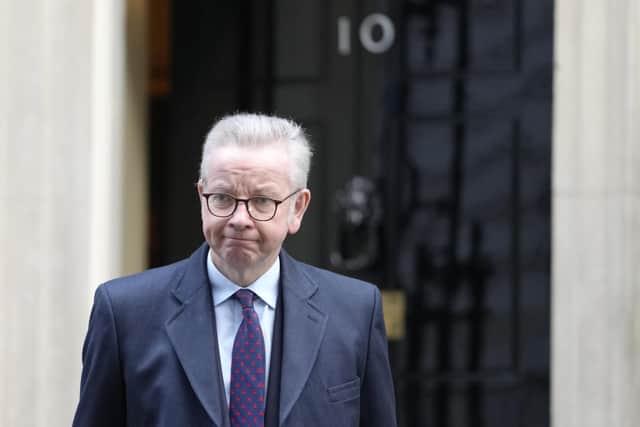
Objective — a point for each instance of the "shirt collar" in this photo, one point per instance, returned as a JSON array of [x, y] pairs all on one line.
[[265, 286]]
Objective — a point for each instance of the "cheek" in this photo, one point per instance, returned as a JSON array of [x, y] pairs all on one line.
[[209, 225], [204, 213], [285, 229], [274, 234], [206, 227]]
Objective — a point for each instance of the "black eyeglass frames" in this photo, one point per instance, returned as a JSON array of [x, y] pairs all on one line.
[[260, 208]]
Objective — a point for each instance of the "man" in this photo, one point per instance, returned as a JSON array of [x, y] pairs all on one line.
[[240, 334]]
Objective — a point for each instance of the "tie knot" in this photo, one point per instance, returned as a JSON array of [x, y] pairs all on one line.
[[245, 297]]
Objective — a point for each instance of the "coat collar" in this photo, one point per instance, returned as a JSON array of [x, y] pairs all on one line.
[[193, 277], [303, 329], [192, 332]]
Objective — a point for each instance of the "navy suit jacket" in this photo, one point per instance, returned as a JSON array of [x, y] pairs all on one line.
[[150, 356]]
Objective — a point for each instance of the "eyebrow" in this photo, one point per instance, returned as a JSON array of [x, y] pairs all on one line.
[[222, 186], [266, 187], [219, 186]]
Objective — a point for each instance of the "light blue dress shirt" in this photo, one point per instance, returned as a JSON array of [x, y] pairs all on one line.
[[229, 313]]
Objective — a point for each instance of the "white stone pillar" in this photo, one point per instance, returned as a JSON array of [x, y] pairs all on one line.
[[596, 214], [68, 121]]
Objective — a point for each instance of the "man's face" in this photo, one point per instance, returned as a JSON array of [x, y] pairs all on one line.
[[241, 247]]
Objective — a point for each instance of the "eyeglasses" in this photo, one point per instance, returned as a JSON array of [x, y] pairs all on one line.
[[259, 208]]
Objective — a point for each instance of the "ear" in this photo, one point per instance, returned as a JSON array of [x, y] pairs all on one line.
[[300, 207]]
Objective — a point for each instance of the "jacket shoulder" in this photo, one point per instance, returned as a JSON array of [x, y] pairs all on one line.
[[336, 283], [144, 284]]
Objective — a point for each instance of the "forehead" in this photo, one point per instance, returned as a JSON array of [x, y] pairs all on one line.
[[249, 165]]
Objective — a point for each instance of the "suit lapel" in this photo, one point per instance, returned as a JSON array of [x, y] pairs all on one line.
[[303, 329], [193, 335]]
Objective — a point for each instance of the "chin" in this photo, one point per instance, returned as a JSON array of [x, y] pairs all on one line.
[[238, 257]]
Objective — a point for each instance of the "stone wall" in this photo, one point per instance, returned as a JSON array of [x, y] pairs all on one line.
[[596, 214], [72, 210]]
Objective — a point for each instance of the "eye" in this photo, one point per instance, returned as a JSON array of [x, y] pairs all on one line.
[[220, 199], [262, 205], [261, 201]]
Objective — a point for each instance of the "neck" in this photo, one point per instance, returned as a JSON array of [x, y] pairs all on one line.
[[242, 276]]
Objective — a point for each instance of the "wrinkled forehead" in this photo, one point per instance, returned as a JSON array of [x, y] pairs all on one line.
[[258, 166]]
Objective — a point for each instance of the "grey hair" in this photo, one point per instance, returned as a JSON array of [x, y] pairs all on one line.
[[258, 130]]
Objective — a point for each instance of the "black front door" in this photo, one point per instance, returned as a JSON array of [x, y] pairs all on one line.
[[431, 176]]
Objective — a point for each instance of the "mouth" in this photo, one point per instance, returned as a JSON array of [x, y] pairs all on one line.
[[238, 239]]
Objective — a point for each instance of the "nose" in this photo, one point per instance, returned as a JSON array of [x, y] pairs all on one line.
[[241, 217]]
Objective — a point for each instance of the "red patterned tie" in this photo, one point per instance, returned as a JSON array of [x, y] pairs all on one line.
[[247, 392]]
